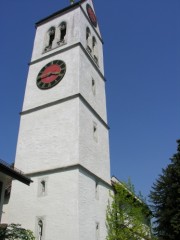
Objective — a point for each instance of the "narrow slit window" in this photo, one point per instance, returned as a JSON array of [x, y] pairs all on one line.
[[97, 231], [93, 86], [95, 132], [43, 187], [97, 190]]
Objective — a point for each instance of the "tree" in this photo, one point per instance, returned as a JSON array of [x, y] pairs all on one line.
[[15, 232], [165, 198], [127, 216]]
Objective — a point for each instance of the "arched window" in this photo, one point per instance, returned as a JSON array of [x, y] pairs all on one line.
[[50, 38], [88, 40], [94, 49], [40, 229], [62, 32]]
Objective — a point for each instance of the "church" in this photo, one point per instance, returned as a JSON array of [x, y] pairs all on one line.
[[63, 141]]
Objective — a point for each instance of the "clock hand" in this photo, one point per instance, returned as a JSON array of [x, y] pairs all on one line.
[[48, 75], [55, 73]]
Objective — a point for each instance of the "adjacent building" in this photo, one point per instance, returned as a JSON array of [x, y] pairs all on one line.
[[7, 174]]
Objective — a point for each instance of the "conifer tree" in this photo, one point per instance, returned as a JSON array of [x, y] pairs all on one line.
[[165, 198]]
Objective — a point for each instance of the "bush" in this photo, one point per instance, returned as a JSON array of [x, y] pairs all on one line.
[[15, 232]]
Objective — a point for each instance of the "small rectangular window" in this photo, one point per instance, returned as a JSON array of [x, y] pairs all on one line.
[[42, 187], [97, 231], [95, 131], [93, 87], [97, 190]]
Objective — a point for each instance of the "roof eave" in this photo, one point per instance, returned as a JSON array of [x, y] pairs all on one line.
[[64, 10], [14, 174]]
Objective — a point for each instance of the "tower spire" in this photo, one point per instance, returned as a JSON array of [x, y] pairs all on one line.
[[72, 2]]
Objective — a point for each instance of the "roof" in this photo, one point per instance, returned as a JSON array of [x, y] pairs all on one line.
[[14, 173], [69, 8]]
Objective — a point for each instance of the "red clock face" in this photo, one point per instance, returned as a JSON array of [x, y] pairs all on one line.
[[51, 74], [91, 15]]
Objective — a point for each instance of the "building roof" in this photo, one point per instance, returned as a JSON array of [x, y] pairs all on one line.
[[69, 8], [14, 173]]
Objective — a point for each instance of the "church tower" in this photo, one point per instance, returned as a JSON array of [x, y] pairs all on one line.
[[63, 142]]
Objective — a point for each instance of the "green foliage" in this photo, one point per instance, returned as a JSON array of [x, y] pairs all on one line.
[[131, 188], [165, 198], [15, 232], [126, 215]]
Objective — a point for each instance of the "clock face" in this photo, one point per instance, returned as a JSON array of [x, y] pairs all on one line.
[[51, 74], [91, 15]]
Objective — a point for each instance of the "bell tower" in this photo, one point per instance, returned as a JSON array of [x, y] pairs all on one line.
[[63, 142]]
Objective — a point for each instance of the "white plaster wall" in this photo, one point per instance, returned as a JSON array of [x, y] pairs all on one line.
[[62, 135], [48, 138], [97, 100], [59, 207], [68, 86], [70, 208], [94, 155], [92, 210]]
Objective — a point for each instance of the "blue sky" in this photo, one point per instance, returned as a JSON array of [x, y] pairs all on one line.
[[142, 68]]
